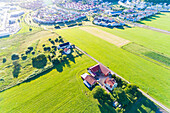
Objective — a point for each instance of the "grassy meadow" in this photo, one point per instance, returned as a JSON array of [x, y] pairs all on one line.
[[61, 90], [148, 38], [18, 44], [133, 68], [161, 21], [54, 91]]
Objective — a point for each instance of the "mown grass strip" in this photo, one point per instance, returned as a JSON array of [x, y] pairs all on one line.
[[153, 56]]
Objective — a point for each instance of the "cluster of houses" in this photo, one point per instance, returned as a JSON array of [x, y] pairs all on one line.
[[8, 19], [107, 21], [31, 4], [101, 75], [136, 16], [66, 47], [56, 15], [140, 5], [79, 6]]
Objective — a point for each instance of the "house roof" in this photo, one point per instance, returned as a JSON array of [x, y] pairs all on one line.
[[110, 82], [100, 67], [91, 80]]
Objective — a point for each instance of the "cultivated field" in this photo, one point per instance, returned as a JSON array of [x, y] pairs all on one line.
[[132, 67], [161, 21], [106, 36], [148, 38]]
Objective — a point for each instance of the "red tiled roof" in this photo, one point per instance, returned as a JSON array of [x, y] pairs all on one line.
[[90, 80], [110, 82], [100, 67]]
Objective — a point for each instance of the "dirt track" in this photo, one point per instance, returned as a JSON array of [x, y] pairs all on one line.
[[106, 36]]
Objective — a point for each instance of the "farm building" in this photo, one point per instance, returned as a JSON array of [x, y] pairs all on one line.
[[64, 45], [99, 69], [110, 83], [89, 81]]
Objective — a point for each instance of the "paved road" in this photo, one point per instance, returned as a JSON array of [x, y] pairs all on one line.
[[145, 94], [148, 27], [152, 28]]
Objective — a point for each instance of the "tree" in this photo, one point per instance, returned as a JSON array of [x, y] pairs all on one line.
[[98, 92], [39, 61], [121, 96], [131, 88], [16, 69], [4, 60], [15, 56]]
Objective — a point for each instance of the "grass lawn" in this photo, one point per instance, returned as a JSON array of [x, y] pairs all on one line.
[[148, 38], [161, 21], [147, 75]]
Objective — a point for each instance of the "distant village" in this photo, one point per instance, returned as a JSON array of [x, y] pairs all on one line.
[[102, 13]]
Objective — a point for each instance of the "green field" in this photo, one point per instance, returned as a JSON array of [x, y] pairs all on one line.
[[148, 38], [54, 92], [128, 65], [151, 55], [61, 90], [161, 21]]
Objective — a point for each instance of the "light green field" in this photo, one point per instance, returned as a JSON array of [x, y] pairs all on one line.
[[148, 38], [53, 92], [161, 21], [147, 75], [61, 92]]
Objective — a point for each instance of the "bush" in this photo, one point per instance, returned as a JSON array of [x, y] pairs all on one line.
[[43, 45], [52, 42], [39, 61], [60, 37], [114, 76], [4, 60], [30, 29], [33, 53], [47, 49], [24, 57], [56, 40], [54, 48], [61, 40], [27, 51], [61, 51], [30, 48], [14, 56], [49, 39]]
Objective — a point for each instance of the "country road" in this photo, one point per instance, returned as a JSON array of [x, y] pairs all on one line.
[[145, 94]]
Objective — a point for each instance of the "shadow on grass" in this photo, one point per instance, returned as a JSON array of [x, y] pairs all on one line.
[[105, 107], [143, 105]]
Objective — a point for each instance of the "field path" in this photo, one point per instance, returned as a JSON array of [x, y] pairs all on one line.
[[106, 36]]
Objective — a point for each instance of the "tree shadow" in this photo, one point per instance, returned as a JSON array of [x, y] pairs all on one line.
[[79, 53], [38, 75], [16, 70], [105, 108], [137, 107]]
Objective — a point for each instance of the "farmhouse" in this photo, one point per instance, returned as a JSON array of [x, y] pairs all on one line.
[[99, 69], [110, 83], [89, 81], [64, 45]]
